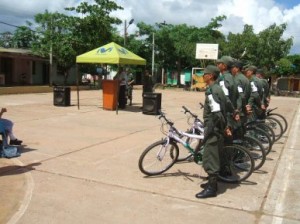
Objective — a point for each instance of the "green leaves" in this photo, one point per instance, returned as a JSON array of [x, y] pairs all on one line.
[[90, 26], [263, 49]]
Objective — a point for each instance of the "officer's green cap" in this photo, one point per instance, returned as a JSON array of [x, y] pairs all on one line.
[[212, 69], [237, 64], [227, 60], [260, 71], [251, 68]]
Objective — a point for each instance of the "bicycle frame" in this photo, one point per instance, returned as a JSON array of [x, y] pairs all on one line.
[[163, 154], [174, 134], [197, 124]]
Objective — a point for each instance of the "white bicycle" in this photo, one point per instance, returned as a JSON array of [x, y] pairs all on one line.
[[160, 156]]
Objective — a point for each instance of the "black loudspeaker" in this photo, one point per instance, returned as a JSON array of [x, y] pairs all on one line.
[[61, 96], [151, 103]]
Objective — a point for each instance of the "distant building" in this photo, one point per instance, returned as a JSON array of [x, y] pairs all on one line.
[[22, 67], [284, 86]]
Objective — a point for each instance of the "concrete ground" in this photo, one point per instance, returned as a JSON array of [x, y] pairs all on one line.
[[81, 166]]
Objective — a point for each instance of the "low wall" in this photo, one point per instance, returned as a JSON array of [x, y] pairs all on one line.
[[34, 89]]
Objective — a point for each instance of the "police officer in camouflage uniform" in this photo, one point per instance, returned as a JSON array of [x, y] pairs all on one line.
[[266, 87], [215, 124], [244, 92], [257, 93], [226, 82], [130, 82]]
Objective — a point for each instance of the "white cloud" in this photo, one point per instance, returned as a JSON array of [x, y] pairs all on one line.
[[259, 14], [31, 7]]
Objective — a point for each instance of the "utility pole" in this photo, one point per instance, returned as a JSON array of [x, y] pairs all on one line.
[[125, 32], [51, 53], [153, 52], [125, 29], [50, 64]]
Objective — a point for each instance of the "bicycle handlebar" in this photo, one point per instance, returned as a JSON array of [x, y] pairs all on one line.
[[188, 111], [270, 110], [162, 115]]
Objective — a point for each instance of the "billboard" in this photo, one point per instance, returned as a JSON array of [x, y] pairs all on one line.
[[207, 51]]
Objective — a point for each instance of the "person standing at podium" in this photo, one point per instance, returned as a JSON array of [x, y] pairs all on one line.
[[122, 77], [130, 82], [147, 82]]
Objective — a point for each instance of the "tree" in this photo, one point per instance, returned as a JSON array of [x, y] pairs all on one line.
[[283, 67], [6, 39], [66, 36], [240, 46], [263, 49], [23, 37], [55, 38], [176, 44], [295, 60], [271, 46], [95, 25]]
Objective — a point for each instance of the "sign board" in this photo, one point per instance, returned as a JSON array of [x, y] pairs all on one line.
[[207, 51]]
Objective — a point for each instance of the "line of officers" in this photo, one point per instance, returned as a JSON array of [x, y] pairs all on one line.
[[235, 94]]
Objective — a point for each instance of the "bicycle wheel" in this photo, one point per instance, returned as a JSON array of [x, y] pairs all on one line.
[[267, 129], [240, 164], [281, 119], [262, 136], [157, 157], [276, 127], [256, 150]]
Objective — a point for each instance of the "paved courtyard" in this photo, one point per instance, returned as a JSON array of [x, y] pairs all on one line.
[[81, 166]]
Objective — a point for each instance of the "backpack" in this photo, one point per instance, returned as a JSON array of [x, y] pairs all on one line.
[[9, 151]]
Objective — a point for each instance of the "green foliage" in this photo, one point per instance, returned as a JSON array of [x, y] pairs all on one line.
[[237, 44], [263, 49], [94, 26], [175, 45], [23, 37], [295, 60], [272, 46], [6, 39], [284, 67], [90, 26]]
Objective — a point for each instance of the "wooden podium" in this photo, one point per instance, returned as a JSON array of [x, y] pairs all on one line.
[[110, 90]]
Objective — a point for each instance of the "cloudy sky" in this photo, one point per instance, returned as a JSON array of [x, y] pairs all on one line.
[[259, 13]]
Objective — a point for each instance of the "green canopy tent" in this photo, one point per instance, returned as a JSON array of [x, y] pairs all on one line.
[[111, 53]]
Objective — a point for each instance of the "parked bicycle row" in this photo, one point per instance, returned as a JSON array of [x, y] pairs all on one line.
[[235, 136], [242, 154]]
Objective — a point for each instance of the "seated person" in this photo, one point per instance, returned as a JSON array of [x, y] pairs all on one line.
[[8, 127]]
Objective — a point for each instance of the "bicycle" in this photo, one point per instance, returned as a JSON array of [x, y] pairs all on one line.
[[279, 117], [276, 126], [251, 129], [164, 153], [254, 146]]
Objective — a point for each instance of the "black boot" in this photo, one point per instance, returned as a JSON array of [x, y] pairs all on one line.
[[225, 171], [204, 185], [210, 189]]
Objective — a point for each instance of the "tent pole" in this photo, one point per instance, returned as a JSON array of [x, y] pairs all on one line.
[[117, 107], [77, 73]]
